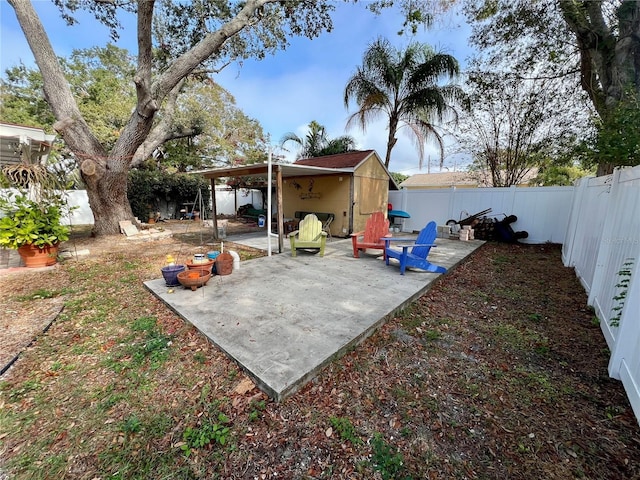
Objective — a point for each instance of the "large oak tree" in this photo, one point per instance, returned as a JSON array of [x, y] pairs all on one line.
[[175, 40]]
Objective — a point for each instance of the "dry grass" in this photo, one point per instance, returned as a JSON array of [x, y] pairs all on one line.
[[499, 371]]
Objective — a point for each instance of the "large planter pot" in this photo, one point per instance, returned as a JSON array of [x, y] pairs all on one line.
[[170, 274], [206, 267], [34, 257]]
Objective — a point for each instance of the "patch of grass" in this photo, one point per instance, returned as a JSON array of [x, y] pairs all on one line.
[[145, 346], [431, 335], [534, 387], [411, 316], [509, 293], [387, 460], [207, 433], [345, 429], [200, 357], [131, 425], [521, 339], [500, 259], [535, 317], [257, 407], [39, 294], [26, 388], [110, 402], [480, 295], [155, 345]]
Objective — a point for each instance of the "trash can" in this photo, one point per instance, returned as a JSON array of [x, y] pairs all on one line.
[[261, 221]]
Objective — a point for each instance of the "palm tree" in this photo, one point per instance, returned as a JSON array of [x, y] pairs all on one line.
[[317, 144], [402, 86]]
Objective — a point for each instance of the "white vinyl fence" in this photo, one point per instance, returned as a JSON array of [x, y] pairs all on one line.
[[82, 215], [543, 212], [603, 245]]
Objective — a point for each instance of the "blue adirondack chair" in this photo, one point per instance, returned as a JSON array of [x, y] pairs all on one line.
[[417, 257]]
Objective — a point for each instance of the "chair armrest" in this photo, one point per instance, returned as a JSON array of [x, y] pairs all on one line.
[[294, 233], [357, 234], [388, 240]]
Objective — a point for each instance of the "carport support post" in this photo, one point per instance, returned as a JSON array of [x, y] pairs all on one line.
[[214, 209], [279, 207]]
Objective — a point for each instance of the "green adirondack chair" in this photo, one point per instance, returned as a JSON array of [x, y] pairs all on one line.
[[308, 236]]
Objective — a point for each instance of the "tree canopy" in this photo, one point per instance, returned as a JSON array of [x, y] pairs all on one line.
[[316, 143], [593, 45], [176, 41], [515, 125]]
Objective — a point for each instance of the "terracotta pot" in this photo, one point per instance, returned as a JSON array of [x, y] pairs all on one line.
[[224, 264], [34, 257], [202, 277], [204, 267]]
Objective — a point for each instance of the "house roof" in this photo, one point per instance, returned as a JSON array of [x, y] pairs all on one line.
[[19, 143], [339, 160], [442, 179], [453, 179]]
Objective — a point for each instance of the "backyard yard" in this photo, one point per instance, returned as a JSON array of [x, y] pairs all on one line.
[[499, 371]]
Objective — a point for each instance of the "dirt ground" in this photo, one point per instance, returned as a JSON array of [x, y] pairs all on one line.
[[21, 323], [499, 371]]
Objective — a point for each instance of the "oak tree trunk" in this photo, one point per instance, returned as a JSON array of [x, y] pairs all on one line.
[[109, 202]]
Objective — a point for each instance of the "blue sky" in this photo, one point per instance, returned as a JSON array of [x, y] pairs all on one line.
[[284, 92]]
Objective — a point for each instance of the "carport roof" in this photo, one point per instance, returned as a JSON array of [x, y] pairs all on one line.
[[327, 165], [260, 169]]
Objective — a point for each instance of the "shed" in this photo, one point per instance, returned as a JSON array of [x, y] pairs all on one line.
[[350, 186], [359, 187]]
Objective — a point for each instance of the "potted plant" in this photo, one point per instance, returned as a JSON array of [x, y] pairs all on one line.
[[33, 228]]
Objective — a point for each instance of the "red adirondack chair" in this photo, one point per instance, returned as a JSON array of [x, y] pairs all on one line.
[[377, 227]]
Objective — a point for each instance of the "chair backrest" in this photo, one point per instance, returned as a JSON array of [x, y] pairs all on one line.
[[377, 226], [426, 236], [310, 229]]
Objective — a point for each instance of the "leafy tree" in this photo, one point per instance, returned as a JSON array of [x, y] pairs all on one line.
[[22, 100], [149, 190], [176, 40], [398, 177], [594, 44], [559, 175], [515, 125], [618, 139], [316, 143], [209, 129], [217, 132], [402, 87]]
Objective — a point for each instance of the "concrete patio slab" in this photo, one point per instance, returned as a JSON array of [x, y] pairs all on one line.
[[282, 318]]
